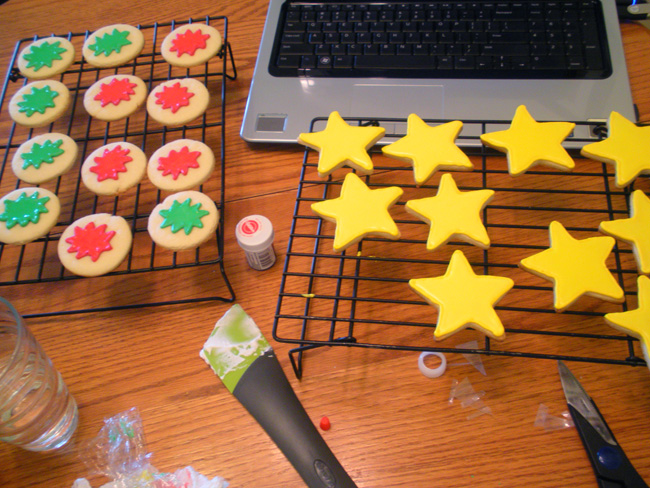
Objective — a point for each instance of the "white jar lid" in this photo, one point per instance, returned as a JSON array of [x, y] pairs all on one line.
[[254, 233]]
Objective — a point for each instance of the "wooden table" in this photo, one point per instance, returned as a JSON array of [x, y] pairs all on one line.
[[391, 426]]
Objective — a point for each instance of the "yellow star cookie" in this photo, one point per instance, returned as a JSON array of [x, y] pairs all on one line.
[[528, 142], [453, 214], [342, 144], [576, 267], [635, 230], [636, 322], [627, 147], [429, 149], [464, 299], [359, 212]]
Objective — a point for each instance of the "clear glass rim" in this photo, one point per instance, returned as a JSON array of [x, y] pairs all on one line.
[[20, 328]]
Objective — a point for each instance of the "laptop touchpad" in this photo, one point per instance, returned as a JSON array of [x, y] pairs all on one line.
[[388, 101]]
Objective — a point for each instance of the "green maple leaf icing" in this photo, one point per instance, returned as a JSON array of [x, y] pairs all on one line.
[[110, 42], [44, 55], [183, 216], [39, 100], [24, 209], [40, 154]]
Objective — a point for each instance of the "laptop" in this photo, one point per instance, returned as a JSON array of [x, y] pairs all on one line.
[[291, 87]]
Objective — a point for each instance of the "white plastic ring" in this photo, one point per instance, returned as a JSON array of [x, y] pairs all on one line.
[[432, 372]]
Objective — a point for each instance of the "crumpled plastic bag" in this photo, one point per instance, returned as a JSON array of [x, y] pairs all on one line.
[[119, 452]]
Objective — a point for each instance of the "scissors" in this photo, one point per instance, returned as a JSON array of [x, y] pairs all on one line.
[[612, 467]]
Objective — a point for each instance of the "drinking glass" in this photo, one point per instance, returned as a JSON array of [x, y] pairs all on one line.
[[37, 412]]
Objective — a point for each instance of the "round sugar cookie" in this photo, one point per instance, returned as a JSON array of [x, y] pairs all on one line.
[[183, 220], [95, 245], [180, 165], [46, 58], [27, 214], [44, 158], [115, 97], [113, 45], [113, 168], [39, 103], [178, 101], [191, 45]]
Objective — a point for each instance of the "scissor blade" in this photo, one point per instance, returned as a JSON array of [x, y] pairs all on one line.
[[578, 398]]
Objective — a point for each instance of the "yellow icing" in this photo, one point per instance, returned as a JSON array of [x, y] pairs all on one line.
[[342, 144], [636, 322], [359, 211], [635, 230], [464, 299], [453, 214], [528, 142], [429, 148], [627, 147], [576, 267]]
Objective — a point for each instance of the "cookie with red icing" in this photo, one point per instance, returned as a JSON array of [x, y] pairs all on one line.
[[191, 45], [178, 101], [181, 165], [114, 168], [115, 97], [95, 245]]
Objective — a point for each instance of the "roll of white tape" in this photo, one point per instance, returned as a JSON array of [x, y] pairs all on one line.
[[432, 372]]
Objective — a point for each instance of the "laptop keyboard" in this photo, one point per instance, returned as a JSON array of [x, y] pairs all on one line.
[[446, 39]]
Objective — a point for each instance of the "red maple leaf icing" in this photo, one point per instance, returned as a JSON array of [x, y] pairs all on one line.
[[178, 162], [174, 97], [90, 241], [112, 162], [115, 91], [188, 42]]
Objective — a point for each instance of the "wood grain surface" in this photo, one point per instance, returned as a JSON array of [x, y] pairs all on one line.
[[391, 426]]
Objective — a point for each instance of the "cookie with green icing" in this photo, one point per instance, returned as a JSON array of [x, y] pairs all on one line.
[[39, 103], [44, 158], [27, 214], [46, 58], [113, 45], [184, 220]]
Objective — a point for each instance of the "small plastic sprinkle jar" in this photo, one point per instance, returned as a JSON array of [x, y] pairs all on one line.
[[255, 236]]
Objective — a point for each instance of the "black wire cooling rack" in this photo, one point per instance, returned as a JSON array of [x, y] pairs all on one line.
[[37, 262], [361, 298]]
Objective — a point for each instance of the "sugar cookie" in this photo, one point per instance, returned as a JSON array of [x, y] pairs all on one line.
[[113, 45], [453, 214], [191, 45], [115, 97], [634, 230], [342, 144], [528, 143], [39, 103], [183, 220], [464, 299], [95, 245], [27, 214], [46, 58], [429, 149], [113, 168], [627, 147], [44, 157], [576, 267], [359, 212], [181, 165], [177, 102]]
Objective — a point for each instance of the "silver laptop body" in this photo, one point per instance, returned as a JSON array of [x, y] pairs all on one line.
[[280, 108]]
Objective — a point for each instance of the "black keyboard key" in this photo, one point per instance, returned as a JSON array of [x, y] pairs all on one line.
[[388, 62]]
